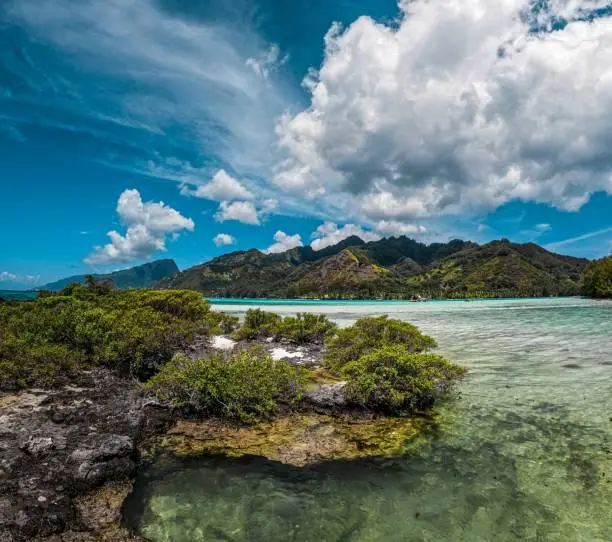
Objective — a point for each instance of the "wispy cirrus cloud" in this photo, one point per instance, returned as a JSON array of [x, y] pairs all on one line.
[[134, 74], [565, 242]]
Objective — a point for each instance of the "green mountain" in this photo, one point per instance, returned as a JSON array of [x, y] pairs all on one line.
[[134, 277], [393, 268]]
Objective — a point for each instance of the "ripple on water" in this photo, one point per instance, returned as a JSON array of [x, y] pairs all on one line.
[[524, 452]]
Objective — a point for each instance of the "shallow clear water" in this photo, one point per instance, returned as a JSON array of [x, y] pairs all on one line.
[[524, 453]]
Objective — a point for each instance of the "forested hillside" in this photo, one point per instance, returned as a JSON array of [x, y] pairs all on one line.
[[394, 268]]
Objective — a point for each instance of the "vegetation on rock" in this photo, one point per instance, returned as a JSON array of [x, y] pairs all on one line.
[[369, 334], [300, 438], [386, 367], [137, 333], [257, 324], [597, 282], [304, 328], [246, 385], [131, 331], [393, 380]]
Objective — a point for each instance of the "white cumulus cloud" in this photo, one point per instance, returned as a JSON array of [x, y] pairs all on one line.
[[245, 211], [223, 239], [329, 234], [284, 242], [458, 108], [222, 187], [389, 228], [241, 211], [148, 225]]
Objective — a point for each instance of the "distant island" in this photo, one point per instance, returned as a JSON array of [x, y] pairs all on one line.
[[392, 268], [141, 276]]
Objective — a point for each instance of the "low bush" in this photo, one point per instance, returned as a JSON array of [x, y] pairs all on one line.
[[24, 364], [220, 323], [257, 324], [395, 381], [131, 331], [246, 385], [369, 334], [305, 328], [597, 280]]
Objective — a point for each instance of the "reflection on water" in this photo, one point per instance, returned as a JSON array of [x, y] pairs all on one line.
[[525, 452]]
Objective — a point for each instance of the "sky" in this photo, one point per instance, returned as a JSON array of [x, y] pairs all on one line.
[[132, 130]]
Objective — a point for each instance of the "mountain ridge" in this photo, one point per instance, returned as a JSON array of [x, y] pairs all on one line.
[[140, 276], [391, 268]]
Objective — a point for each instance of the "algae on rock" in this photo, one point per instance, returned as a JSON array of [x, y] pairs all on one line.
[[298, 439]]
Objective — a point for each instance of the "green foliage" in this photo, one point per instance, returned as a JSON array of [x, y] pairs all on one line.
[[246, 385], [257, 324], [23, 364], [131, 331], [219, 323], [393, 380], [597, 280], [303, 328], [369, 334], [396, 268]]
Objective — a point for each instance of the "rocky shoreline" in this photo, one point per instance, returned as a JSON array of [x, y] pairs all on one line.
[[69, 455], [60, 447]]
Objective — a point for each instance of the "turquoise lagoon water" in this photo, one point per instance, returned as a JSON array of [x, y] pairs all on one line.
[[523, 453], [12, 295]]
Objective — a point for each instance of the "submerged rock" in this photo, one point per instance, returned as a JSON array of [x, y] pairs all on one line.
[[297, 439], [327, 394]]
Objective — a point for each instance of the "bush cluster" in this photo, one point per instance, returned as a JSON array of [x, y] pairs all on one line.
[[138, 332], [393, 380], [304, 328], [385, 364], [597, 280], [131, 331], [246, 385], [370, 333]]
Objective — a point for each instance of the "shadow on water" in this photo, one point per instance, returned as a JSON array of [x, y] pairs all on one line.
[[472, 490]]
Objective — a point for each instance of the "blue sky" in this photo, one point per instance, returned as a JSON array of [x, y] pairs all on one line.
[[268, 124]]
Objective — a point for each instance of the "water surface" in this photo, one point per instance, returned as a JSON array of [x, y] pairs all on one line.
[[524, 452]]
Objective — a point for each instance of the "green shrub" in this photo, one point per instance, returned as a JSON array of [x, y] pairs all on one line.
[[258, 324], [219, 323], [24, 364], [369, 334], [246, 385], [305, 328], [395, 381], [131, 331], [597, 280]]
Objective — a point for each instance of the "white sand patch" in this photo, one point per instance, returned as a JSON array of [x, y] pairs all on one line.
[[281, 353], [223, 343]]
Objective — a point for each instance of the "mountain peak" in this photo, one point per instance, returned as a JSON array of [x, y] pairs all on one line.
[[140, 276]]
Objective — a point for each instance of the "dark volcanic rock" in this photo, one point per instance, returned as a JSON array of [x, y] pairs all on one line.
[[56, 446]]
